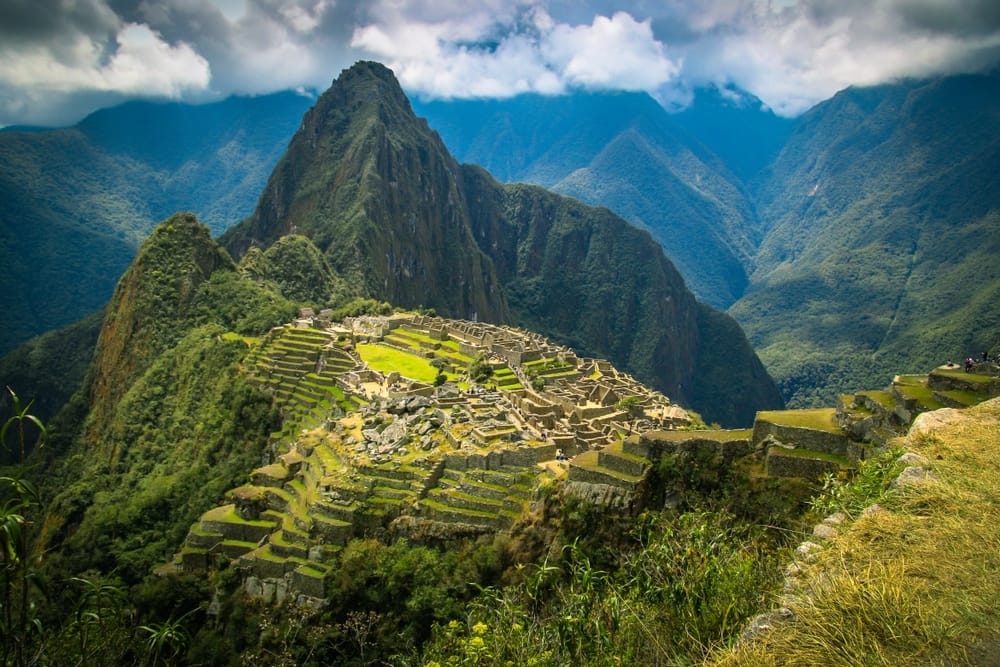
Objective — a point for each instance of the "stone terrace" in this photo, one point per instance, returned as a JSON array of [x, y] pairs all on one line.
[[362, 453]]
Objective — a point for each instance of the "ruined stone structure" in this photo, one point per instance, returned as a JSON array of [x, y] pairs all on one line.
[[366, 452]]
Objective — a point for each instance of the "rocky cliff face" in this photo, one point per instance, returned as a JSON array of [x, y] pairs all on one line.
[[374, 188]]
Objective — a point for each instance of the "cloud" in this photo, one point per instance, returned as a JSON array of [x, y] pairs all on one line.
[[59, 58], [51, 57], [473, 57], [795, 55]]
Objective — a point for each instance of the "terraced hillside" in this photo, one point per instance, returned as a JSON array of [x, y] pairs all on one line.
[[371, 447], [386, 434]]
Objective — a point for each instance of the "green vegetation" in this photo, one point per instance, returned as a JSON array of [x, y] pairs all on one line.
[[387, 359], [49, 368], [684, 585], [912, 582], [864, 212], [18, 570], [480, 369], [79, 201], [623, 151], [819, 418]]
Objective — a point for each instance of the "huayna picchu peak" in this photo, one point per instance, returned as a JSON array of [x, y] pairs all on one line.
[[400, 221]]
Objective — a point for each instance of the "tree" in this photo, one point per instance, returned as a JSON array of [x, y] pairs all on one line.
[[630, 404], [480, 369], [20, 497]]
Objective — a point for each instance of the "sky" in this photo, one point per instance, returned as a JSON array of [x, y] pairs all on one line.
[[61, 59]]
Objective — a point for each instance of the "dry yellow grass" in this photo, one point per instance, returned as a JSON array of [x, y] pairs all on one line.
[[915, 583]]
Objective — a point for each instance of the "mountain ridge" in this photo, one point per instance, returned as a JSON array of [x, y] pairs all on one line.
[[372, 185], [80, 200]]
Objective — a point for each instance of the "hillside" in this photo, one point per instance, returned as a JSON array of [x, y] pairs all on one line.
[[623, 151], [395, 216], [78, 201], [881, 218], [865, 229], [903, 570], [408, 471]]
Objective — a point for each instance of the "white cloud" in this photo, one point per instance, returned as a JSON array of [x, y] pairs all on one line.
[[617, 52], [532, 53], [140, 63], [793, 56], [790, 53]]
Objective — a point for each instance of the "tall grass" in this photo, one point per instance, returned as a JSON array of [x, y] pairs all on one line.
[[914, 582]]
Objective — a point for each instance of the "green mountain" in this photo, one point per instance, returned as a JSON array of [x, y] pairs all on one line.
[[866, 228], [882, 233], [165, 421], [398, 219], [78, 201], [623, 151], [738, 127]]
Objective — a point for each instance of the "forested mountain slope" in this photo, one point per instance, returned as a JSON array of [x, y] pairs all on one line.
[[78, 201], [882, 237], [867, 227], [398, 220], [623, 151]]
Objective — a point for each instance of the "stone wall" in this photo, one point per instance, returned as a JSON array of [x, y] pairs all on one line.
[[812, 439], [783, 464]]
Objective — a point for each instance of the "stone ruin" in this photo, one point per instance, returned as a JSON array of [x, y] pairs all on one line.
[[364, 452]]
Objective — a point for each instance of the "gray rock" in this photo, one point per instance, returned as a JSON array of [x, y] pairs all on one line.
[[824, 531], [252, 586], [765, 622], [911, 459], [872, 509], [835, 519], [927, 422], [394, 433], [807, 551], [418, 403], [912, 476]]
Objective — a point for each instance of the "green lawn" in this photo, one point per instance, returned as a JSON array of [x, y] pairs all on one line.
[[386, 359], [820, 418]]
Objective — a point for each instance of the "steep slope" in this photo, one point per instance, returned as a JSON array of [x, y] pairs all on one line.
[[151, 300], [379, 194], [745, 134], [78, 201], [882, 216], [623, 151], [586, 277], [166, 421]]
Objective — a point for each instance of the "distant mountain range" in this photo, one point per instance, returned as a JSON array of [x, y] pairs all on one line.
[[79, 201], [860, 240], [851, 243]]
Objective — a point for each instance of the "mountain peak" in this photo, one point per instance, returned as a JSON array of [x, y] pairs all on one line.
[[153, 296], [378, 193]]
